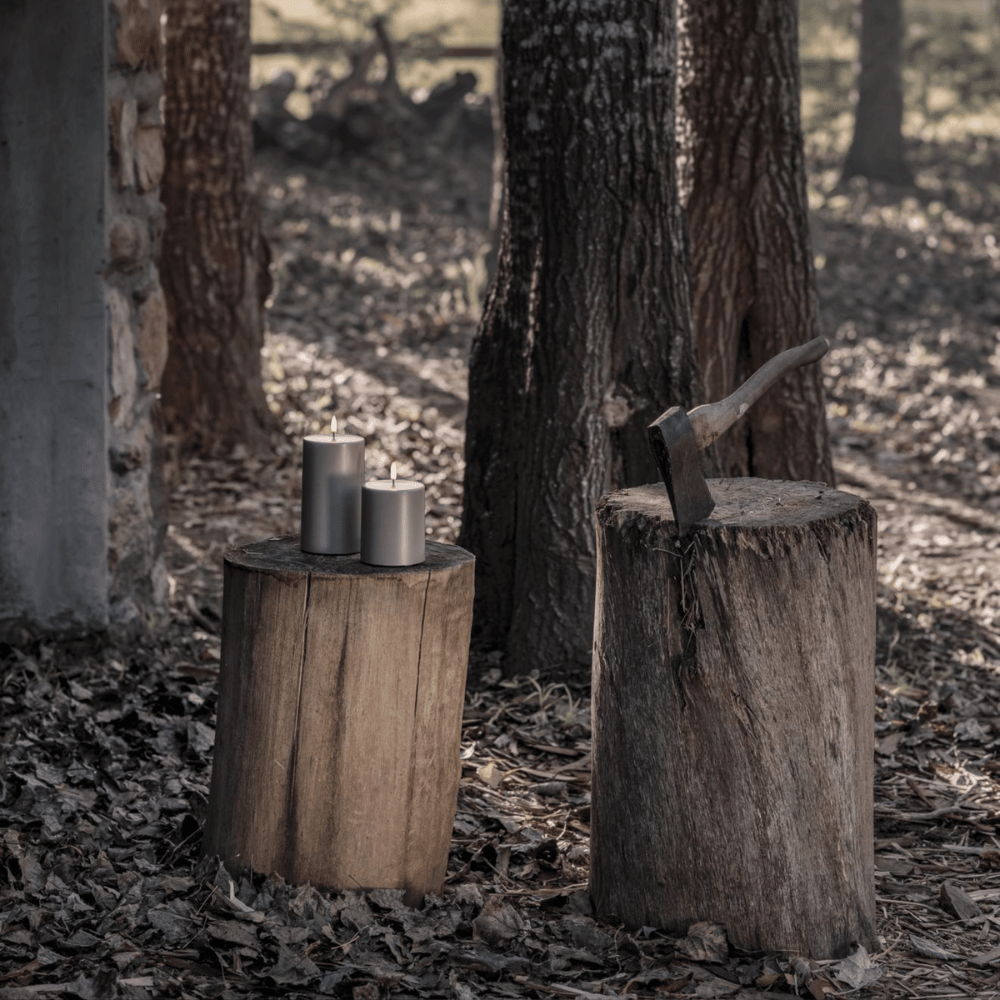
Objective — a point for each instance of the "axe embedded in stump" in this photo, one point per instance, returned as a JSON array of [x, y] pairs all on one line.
[[732, 699], [676, 437], [733, 692]]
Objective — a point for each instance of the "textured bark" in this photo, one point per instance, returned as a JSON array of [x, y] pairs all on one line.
[[732, 709], [752, 282], [586, 333], [877, 147], [340, 716], [214, 261]]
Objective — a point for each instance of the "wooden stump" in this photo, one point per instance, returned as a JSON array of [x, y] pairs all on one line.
[[340, 711], [733, 707]]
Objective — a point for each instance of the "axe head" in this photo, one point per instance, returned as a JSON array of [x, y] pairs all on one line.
[[672, 439]]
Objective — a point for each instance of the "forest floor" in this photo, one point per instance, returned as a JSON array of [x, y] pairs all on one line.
[[107, 751]]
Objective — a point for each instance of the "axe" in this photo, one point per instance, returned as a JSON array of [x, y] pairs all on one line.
[[676, 437]]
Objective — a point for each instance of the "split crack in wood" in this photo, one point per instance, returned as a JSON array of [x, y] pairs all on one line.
[[689, 616]]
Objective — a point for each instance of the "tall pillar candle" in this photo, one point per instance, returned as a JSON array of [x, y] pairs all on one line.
[[392, 522], [333, 471]]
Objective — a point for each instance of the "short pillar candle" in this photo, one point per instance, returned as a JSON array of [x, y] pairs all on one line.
[[392, 522], [333, 470]]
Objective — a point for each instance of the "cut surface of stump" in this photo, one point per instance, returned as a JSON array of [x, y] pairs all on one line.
[[733, 706], [340, 709]]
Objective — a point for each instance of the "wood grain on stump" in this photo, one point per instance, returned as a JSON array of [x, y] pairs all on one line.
[[733, 699], [340, 710]]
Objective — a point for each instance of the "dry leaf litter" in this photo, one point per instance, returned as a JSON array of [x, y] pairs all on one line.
[[379, 260]]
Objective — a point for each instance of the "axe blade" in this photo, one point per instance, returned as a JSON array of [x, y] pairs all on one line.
[[672, 439]]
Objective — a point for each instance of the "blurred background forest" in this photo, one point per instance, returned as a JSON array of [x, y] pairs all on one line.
[[951, 57]]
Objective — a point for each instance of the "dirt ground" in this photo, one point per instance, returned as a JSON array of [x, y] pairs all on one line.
[[379, 266]]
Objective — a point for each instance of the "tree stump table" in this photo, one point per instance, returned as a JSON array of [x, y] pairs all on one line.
[[340, 711], [733, 707]]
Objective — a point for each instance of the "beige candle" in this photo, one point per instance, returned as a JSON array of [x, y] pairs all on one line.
[[392, 522]]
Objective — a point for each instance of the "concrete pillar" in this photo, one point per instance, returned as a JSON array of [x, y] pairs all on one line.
[[53, 321]]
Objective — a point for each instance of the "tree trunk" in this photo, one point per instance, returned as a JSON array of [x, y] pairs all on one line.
[[340, 716], [877, 147], [214, 261], [586, 333], [752, 281], [733, 704]]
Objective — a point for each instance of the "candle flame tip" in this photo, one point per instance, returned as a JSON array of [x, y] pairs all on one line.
[[392, 474], [333, 426]]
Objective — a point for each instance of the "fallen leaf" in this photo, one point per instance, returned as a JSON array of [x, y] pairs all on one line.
[[956, 901], [233, 931], [971, 731], [498, 923], [929, 949], [987, 958], [292, 968], [705, 942], [201, 738], [490, 774], [857, 970]]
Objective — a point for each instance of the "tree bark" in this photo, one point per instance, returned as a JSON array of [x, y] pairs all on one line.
[[752, 281], [214, 261], [733, 700], [877, 147], [340, 716], [586, 333]]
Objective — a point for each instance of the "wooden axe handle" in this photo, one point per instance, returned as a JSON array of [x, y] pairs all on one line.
[[712, 419]]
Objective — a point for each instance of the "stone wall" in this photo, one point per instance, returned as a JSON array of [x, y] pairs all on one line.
[[137, 314]]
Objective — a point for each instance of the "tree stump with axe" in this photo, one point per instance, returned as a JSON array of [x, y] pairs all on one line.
[[733, 698]]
